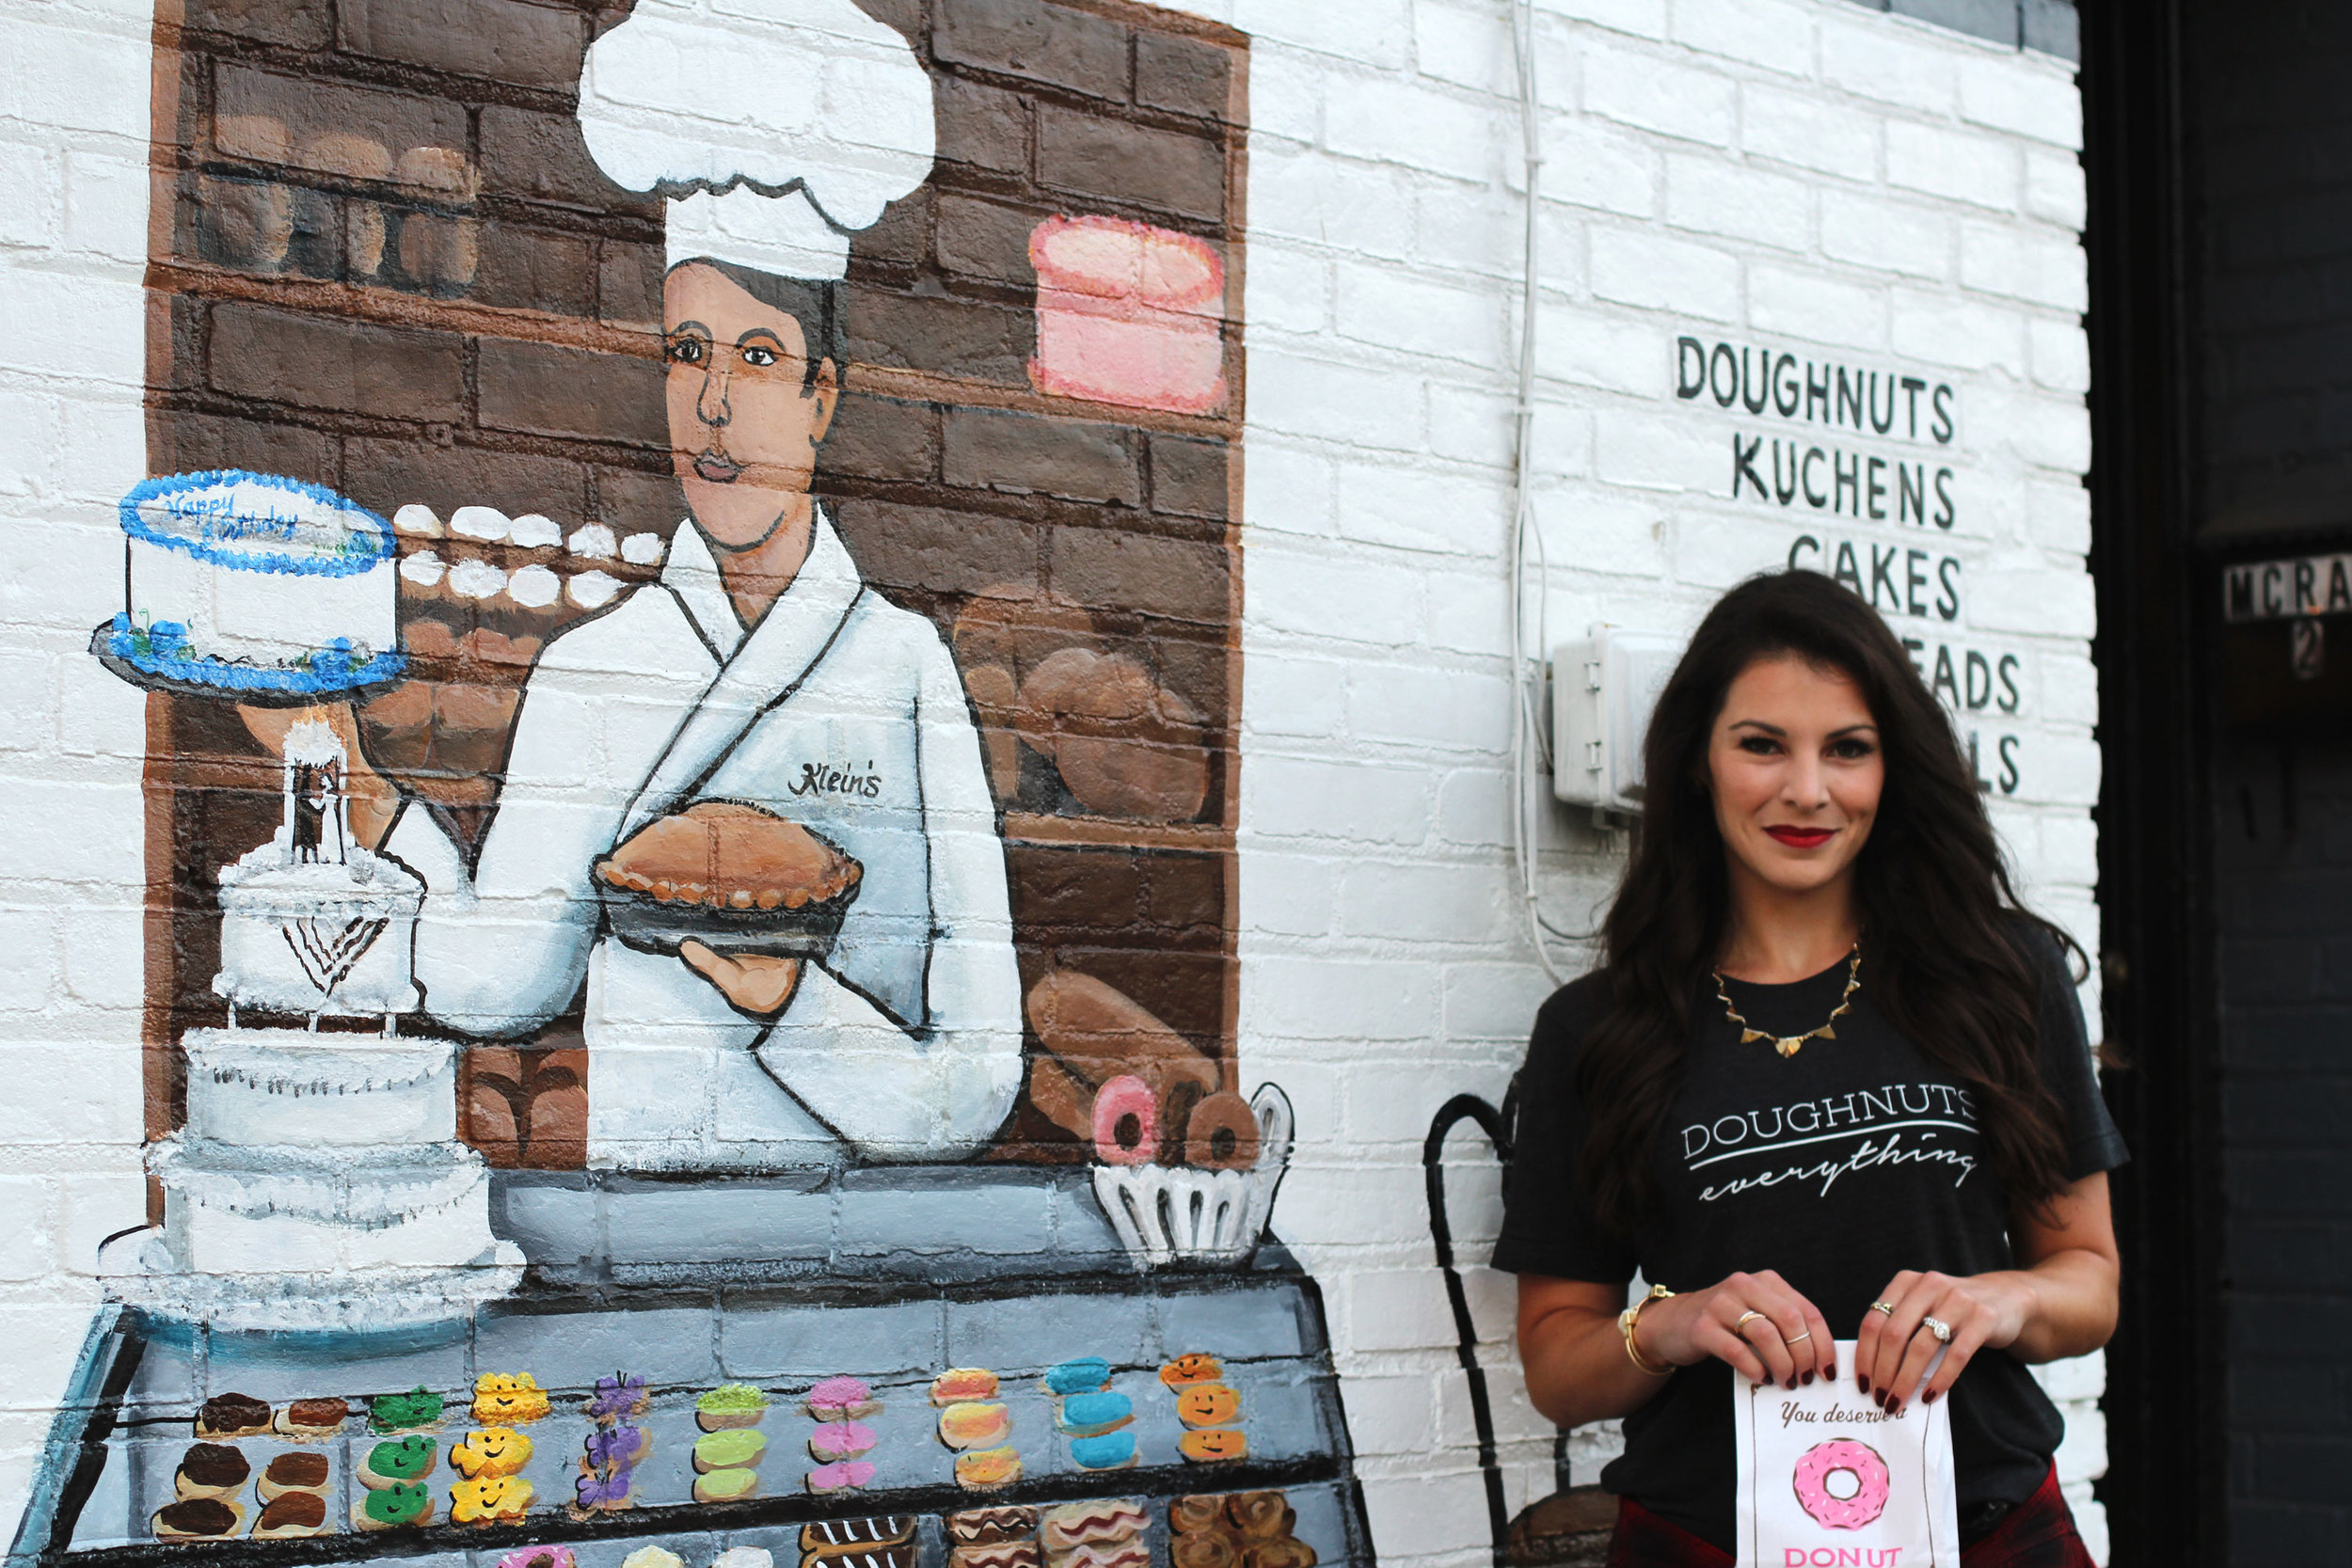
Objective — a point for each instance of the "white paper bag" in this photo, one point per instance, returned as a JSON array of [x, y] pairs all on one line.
[[1827, 1479]]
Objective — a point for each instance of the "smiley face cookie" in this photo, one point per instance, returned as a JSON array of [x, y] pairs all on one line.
[[492, 1451], [1208, 1404], [489, 1499], [508, 1399], [1189, 1369]]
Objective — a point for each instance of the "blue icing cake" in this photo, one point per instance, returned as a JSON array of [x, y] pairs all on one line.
[[1108, 1451], [1088, 1415], [1080, 1375], [255, 583]]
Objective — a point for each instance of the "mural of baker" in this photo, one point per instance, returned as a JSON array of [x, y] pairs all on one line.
[[788, 819], [790, 1270]]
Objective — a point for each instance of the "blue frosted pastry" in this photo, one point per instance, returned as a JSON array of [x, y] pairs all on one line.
[[1080, 1375], [1092, 1414], [1111, 1450]]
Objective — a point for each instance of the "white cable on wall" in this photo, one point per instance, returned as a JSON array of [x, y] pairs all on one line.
[[1528, 763]]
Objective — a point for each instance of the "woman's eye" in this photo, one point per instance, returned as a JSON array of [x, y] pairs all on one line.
[[686, 351], [1851, 751], [1757, 745], [755, 354]]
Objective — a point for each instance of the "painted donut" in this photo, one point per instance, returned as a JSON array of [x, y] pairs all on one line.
[[1126, 1122], [1859, 1460], [1221, 1134]]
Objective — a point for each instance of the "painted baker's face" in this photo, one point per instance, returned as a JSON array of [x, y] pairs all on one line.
[[745, 418]]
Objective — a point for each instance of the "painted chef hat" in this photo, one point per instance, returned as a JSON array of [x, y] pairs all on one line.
[[775, 128]]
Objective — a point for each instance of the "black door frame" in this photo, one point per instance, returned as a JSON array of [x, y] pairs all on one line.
[[2166, 1436]]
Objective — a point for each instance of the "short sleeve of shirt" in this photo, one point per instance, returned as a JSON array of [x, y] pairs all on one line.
[[2093, 1143], [1548, 1227]]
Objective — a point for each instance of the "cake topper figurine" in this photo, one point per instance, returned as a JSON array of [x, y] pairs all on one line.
[[314, 792]]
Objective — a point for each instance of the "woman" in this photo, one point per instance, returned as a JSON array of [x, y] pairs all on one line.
[[1829, 1081]]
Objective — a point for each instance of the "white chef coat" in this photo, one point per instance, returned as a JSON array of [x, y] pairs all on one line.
[[840, 711]]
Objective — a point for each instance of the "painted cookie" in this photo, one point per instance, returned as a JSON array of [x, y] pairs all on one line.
[[414, 1411], [506, 1399], [1214, 1444], [399, 1460], [492, 1451], [1189, 1369], [210, 1470], [395, 1506], [730, 1405], [197, 1519], [290, 1516], [489, 1499]]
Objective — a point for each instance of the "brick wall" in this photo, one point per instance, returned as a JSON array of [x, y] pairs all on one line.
[[1784, 175], [1803, 177]]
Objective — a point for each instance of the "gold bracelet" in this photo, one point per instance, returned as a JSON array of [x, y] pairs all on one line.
[[1631, 1319]]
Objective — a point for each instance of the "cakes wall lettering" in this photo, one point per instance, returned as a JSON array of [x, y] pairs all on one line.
[[1863, 464]]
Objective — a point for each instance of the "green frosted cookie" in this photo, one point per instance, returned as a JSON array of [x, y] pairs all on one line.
[[402, 1459], [723, 1450], [401, 1503], [402, 1412]]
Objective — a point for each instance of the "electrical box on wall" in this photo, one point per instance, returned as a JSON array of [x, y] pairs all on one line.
[[1602, 690]]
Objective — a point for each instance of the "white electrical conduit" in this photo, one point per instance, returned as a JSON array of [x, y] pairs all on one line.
[[1527, 685]]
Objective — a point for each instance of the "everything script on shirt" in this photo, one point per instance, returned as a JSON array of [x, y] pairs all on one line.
[[1825, 1140]]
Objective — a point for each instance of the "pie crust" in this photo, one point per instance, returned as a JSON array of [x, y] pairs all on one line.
[[727, 855]]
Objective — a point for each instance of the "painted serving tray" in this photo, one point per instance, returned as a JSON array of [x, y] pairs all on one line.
[[333, 675]]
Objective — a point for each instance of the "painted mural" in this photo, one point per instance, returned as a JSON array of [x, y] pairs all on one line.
[[688, 604]]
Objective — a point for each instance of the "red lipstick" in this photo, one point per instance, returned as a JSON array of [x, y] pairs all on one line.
[[1802, 838]]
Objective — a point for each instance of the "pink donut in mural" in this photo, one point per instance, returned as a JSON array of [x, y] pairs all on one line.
[[1126, 1121], [1860, 1461]]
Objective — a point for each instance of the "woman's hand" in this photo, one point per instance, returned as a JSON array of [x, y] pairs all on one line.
[[1754, 1321], [755, 983], [2060, 1301], [1893, 1348]]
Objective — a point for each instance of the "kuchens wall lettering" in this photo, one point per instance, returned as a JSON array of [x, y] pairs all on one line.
[[1867, 462]]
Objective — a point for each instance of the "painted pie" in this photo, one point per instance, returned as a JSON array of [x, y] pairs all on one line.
[[726, 855]]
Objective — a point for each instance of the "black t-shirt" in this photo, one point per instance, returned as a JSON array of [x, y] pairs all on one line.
[[1838, 1166]]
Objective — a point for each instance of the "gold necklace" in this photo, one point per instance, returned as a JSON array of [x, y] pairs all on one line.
[[1788, 1045]]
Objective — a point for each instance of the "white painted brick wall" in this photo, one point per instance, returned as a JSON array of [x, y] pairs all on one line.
[[73, 135], [1803, 172], [1794, 173]]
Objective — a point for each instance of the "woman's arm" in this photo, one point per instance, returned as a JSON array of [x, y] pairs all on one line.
[[2060, 1301], [1574, 1358]]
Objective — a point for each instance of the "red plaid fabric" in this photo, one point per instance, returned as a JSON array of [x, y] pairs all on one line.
[[2038, 1533]]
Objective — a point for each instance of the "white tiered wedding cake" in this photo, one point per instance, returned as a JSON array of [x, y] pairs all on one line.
[[318, 1181]]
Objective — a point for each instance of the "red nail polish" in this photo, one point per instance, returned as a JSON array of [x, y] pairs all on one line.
[[1792, 1384], [1808, 1380], [1928, 1398], [1862, 1383]]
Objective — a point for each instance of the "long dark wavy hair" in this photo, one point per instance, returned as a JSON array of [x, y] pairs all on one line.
[[1940, 925]]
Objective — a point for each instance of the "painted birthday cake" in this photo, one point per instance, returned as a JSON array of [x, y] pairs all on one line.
[[254, 585]]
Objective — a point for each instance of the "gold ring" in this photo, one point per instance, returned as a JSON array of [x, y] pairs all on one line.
[[1740, 1327], [1883, 1307]]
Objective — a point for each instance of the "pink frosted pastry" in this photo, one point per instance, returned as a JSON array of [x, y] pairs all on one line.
[[840, 1441], [1126, 1121], [841, 1398], [538, 1557], [846, 1476], [1128, 314]]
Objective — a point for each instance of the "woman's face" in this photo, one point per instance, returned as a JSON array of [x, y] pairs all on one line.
[[744, 421], [1796, 771]]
